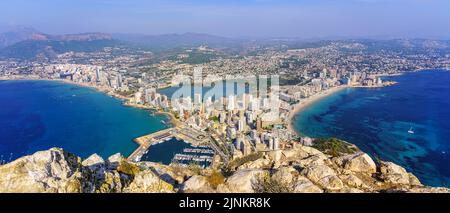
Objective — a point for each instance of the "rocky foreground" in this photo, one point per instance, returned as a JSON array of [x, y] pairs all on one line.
[[301, 169]]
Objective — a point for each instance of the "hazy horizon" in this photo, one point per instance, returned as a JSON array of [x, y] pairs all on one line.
[[306, 19]]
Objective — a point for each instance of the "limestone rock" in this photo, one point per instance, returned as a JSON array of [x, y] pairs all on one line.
[[197, 184], [173, 174], [303, 185], [295, 153], [394, 174], [257, 164], [303, 169], [93, 160], [301, 152], [316, 172], [275, 157], [95, 164], [284, 175], [114, 161], [315, 159], [351, 190], [311, 151], [413, 180], [429, 190], [147, 182], [331, 182], [352, 181], [242, 181], [360, 162], [53, 170], [111, 182], [323, 176]]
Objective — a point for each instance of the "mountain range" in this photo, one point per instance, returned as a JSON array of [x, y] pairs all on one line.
[[171, 41], [25, 43], [28, 43], [17, 34]]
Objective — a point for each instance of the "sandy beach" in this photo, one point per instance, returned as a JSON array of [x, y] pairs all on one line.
[[308, 101]]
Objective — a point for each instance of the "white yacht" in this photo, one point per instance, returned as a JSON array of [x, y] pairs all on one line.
[[411, 131]]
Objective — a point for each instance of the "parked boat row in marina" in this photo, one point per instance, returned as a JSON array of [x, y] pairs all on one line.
[[200, 151], [197, 158]]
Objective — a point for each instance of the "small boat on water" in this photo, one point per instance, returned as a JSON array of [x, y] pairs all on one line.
[[411, 131]]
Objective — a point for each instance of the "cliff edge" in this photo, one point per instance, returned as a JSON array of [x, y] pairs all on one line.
[[302, 169]]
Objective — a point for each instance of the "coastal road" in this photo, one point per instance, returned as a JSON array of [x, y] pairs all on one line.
[[216, 147]]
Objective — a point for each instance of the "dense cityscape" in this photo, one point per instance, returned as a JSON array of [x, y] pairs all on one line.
[[238, 124], [234, 105]]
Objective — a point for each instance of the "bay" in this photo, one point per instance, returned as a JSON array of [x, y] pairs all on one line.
[[38, 115], [377, 120]]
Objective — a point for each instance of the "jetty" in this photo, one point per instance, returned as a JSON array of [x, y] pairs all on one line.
[[146, 141]]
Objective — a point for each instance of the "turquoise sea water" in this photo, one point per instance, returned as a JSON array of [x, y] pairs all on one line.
[[37, 115], [377, 120]]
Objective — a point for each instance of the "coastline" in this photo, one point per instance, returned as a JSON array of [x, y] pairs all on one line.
[[299, 107], [401, 129], [105, 91]]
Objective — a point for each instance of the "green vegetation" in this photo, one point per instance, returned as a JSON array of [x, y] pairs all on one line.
[[215, 178], [128, 168], [269, 127], [214, 118], [125, 93], [176, 114], [266, 184], [195, 168], [198, 58], [49, 48], [334, 146]]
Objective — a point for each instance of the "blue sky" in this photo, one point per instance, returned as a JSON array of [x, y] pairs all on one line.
[[255, 18]]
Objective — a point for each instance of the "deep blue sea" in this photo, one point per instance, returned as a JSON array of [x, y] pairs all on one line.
[[377, 120], [37, 115]]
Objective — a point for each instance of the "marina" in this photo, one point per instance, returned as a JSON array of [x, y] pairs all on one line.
[[181, 145]]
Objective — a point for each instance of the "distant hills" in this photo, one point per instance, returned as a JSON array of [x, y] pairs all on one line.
[[17, 34], [27, 43], [48, 49], [171, 41]]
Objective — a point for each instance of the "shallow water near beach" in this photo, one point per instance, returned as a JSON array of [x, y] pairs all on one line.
[[377, 120], [38, 115]]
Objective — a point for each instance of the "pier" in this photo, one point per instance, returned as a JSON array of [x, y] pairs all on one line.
[[146, 141]]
